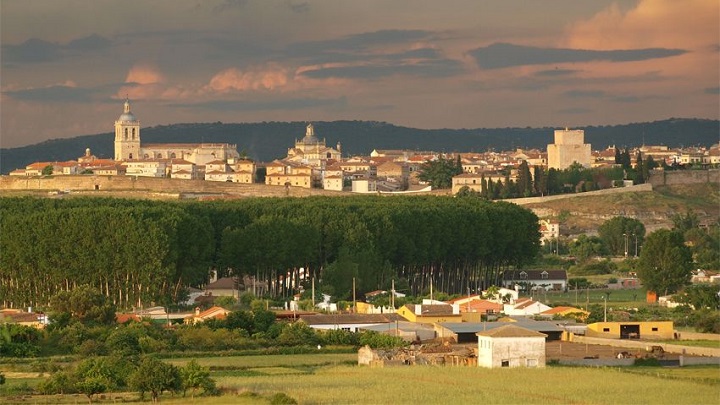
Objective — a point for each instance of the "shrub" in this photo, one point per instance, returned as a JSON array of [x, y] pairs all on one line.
[[647, 362], [281, 398], [380, 341], [297, 334]]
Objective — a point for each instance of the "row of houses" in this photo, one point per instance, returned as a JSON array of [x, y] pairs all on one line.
[[312, 163]]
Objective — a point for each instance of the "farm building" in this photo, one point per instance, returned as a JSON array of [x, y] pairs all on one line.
[[511, 346], [409, 331], [430, 313], [631, 330], [465, 332], [348, 322]]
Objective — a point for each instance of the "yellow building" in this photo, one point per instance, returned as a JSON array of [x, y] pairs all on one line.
[[430, 313], [631, 330]]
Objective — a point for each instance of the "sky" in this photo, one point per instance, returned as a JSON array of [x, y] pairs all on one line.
[[67, 66]]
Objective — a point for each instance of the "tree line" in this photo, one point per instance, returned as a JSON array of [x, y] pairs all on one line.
[[138, 252]]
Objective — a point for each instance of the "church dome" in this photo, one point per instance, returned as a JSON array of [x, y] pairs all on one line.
[[128, 116], [310, 138]]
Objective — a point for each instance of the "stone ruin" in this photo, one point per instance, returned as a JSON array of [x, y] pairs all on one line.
[[436, 354]]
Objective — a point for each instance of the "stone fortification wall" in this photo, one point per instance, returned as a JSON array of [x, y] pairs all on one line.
[[669, 178], [535, 200], [86, 183]]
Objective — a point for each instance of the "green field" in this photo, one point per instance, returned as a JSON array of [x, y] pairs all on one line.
[[332, 379]]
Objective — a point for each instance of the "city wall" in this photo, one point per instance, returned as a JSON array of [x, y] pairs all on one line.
[[536, 200], [94, 183], [672, 177]]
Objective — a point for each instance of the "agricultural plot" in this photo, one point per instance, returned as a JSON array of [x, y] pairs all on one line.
[[332, 379]]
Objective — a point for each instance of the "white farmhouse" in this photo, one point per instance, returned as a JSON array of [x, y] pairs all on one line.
[[511, 346]]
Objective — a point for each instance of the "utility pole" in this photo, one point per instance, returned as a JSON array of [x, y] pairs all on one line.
[[431, 291], [636, 247], [354, 307], [313, 292], [605, 312], [625, 236], [392, 294]]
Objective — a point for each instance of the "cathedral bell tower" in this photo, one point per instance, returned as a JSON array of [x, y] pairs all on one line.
[[127, 135]]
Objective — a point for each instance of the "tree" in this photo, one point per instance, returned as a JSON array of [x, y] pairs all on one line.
[[155, 376], [665, 262], [525, 181], [91, 385], [640, 170], [586, 247], [195, 377], [83, 304], [683, 223], [700, 296], [439, 173], [622, 235], [47, 170]]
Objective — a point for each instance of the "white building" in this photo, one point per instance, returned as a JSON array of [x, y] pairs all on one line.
[[128, 146], [511, 346]]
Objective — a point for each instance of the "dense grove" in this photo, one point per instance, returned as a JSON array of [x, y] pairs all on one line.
[[138, 252]]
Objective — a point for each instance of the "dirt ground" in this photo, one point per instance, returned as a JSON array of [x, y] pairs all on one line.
[[569, 350]]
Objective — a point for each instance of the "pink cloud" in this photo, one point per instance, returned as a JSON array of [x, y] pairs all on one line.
[[688, 24], [267, 77], [143, 73]]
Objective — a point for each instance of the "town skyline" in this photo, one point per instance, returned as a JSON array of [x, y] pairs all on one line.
[[463, 65]]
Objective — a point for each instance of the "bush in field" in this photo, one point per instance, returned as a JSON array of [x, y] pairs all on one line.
[[380, 341], [196, 377], [594, 268], [297, 334], [203, 338], [263, 320], [62, 382], [151, 345], [123, 341], [19, 340], [282, 398], [339, 337], [155, 376], [706, 321]]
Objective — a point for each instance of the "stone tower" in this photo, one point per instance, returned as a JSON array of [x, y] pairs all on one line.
[[127, 135]]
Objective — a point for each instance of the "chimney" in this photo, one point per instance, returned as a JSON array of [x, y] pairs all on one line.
[[197, 311], [418, 309]]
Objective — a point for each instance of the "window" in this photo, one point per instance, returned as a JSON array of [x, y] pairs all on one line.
[[544, 275], [654, 329], [523, 275], [505, 363], [606, 329]]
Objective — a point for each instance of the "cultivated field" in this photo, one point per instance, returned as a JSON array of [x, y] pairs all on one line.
[[332, 379]]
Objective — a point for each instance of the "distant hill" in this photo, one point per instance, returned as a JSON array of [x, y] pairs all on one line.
[[269, 140]]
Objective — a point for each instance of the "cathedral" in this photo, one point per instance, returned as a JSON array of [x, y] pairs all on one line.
[[129, 148], [312, 151]]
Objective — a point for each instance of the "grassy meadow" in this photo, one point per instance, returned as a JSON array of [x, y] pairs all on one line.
[[334, 379]]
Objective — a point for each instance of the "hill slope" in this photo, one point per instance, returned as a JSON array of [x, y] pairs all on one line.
[[270, 140], [585, 213]]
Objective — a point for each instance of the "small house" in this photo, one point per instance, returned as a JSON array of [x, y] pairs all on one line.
[[511, 346]]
